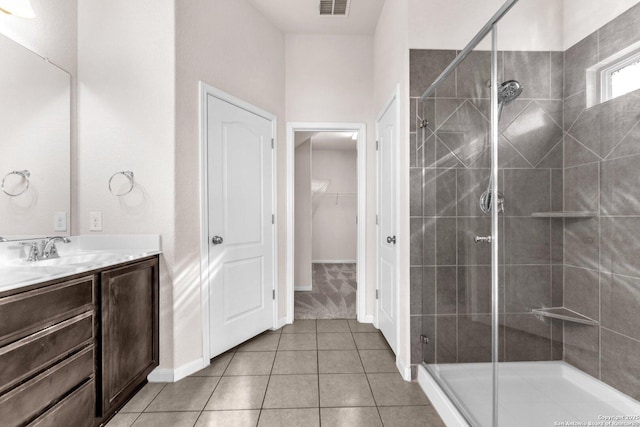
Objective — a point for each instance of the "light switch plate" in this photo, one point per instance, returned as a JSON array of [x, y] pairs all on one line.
[[95, 221], [59, 221]]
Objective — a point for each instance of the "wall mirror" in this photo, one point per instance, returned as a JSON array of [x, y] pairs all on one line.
[[35, 139]]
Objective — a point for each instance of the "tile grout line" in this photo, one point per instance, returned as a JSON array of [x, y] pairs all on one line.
[[368, 383], [268, 379]]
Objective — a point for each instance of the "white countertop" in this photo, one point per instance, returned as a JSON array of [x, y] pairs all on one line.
[[84, 253]]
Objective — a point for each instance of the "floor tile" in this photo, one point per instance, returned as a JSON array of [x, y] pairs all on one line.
[[370, 341], [275, 331], [167, 419], [410, 416], [335, 341], [289, 418], [251, 363], [296, 362], [217, 367], [292, 391], [339, 362], [300, 327], [378, 361], [297, 342], [228, 419], [343, 390], [122, 420], [263, 342], [143, 398], [350, 417], [356, 326], [392, 390], [188, 394], [333, 325], [234, 393]]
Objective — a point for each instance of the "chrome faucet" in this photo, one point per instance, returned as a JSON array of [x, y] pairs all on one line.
[[2, 239], [34, 250], [49, 249]]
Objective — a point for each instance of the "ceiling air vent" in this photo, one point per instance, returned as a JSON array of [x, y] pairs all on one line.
[[334, 7]]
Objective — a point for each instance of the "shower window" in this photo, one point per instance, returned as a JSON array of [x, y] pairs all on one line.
[[621, 78]]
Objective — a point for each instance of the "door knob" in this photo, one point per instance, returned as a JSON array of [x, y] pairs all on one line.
[[217, 240], [391, 239]]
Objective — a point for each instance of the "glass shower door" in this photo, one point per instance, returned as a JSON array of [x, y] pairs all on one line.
[[453, 163]]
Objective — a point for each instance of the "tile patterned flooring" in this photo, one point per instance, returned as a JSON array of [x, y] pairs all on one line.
[[329, 373], [333, 295]]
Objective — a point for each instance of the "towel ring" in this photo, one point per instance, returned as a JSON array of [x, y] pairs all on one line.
[[129, 176], [25, 174]]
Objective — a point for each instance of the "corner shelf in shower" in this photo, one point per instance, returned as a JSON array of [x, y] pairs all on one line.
[[565, 214], [564, 313]]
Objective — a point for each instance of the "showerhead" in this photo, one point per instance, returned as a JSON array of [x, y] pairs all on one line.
[[509, 91]]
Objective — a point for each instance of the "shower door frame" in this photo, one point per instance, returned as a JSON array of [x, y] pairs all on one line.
[[445, 401]]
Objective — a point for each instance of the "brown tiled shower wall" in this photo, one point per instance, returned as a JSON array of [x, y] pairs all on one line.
[[554, 154]]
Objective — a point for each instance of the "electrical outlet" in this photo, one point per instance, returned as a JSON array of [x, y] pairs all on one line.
[[95, 221], [59, 221]]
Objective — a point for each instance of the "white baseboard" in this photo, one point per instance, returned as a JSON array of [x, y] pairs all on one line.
[[366, 319], [173, 375], [334, 261], [281, 322], [303, 288], [446, 409], [405, 370]]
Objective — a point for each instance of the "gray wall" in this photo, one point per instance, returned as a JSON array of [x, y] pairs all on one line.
[[602, 263]]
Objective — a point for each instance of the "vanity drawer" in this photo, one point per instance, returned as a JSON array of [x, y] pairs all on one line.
[[28, 312], [31, 354], [75, 410], [27, 400]]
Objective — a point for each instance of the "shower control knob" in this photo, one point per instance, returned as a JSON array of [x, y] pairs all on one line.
[[217, 240], [482, 239], [391, 239]]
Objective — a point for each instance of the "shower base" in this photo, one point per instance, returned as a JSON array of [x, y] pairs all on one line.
[[536, 394]]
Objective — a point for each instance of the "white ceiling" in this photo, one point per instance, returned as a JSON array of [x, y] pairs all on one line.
[[303, 16]]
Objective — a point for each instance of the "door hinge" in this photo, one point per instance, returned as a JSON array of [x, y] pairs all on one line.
[[273, 143], [273, 218], [377, 145], [377, 294], [356, 219], [274, 294], [377, 220]]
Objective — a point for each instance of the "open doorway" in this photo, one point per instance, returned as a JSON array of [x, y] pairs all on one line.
[[326, 192], [325, 223]]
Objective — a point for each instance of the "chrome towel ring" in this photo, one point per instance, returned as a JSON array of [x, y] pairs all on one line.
[[25, 174], [126, 174]]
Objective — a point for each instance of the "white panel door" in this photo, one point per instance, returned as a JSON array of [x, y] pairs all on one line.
[[387, 304], [240, 187]]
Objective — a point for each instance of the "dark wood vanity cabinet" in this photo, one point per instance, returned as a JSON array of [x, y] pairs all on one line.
[[128, 331], [73, 351]]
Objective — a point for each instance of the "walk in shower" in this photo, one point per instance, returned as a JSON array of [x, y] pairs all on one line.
[[525, 217]]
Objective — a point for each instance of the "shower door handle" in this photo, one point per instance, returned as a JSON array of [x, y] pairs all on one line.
[[217, 240], [482, 239]]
